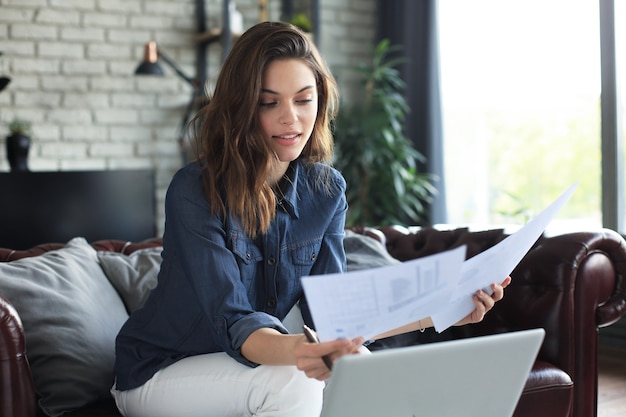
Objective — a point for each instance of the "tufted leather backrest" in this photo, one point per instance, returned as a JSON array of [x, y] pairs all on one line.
[[405, 244], [121, 246]]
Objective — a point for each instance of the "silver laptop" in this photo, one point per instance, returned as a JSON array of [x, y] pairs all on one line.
[[481, 376]]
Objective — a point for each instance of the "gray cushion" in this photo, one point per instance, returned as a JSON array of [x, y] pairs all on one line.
[[134, 275], [71, 316], [364, 252]]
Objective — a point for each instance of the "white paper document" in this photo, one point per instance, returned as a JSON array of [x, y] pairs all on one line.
[[370, 302], [494, 264]]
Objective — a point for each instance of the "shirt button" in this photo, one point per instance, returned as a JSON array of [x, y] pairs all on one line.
[[313, 256], [271, 260], [271, 303]]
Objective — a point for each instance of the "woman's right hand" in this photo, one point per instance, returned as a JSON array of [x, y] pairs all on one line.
[[309, 355]]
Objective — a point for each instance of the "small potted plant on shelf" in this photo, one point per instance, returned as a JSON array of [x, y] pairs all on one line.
[[18, 144]]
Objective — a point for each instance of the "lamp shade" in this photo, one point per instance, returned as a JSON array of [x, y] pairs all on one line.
[[149, 68], [4, 81], [149, 65]]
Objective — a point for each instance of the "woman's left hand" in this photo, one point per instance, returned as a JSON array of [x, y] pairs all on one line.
[[484, 302]]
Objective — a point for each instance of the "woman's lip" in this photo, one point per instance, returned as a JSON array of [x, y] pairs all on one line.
[[287, 135]]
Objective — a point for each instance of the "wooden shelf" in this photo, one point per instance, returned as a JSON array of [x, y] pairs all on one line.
[[211, 36]]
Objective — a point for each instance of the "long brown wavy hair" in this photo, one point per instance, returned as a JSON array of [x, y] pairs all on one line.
[[236, 156]]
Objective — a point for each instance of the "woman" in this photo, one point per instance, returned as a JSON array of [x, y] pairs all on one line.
[[260, 208]]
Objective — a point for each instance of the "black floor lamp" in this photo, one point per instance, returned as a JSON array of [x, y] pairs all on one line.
[[150, 66]]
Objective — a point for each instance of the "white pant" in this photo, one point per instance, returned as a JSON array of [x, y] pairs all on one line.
[[217, 385]]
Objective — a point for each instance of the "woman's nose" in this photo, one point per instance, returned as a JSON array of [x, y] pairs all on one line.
[[288, 115]]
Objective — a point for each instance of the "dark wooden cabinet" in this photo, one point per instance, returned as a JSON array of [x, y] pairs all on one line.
[[44, 207]]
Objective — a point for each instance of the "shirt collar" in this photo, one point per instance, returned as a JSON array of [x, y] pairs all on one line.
[[287, 194]]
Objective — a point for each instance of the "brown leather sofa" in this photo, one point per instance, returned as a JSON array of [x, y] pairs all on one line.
[[570, 285]]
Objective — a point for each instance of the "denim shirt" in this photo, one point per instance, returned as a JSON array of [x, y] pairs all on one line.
[[216, 285]]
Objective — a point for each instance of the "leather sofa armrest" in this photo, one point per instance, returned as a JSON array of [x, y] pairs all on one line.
[[570, 285], [17, 391]]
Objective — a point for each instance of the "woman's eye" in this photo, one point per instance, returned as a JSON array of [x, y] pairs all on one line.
[[304, 101], [268, 103]]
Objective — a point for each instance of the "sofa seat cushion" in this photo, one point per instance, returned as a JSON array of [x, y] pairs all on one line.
[[547, 376], [105, 408], [71, 315], [549, 392]]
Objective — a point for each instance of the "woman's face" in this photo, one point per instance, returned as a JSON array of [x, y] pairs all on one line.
[[288, 108]]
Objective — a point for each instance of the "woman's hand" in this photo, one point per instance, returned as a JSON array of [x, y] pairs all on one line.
[[309, 355], [484, 302]]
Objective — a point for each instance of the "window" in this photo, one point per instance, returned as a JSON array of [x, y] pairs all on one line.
[[620, 48], [521, 87]]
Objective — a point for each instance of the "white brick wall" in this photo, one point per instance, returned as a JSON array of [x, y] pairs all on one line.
[[72, 61]]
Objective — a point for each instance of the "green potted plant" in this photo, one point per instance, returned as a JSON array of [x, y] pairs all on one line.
[[18, 144], [302, 21], [372, 151]]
